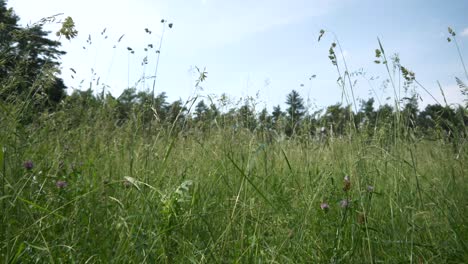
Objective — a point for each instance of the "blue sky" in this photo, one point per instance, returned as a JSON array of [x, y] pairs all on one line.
[[262, 48]]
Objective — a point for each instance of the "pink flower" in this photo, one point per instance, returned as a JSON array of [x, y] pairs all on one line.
[[345, 203], [325, 207], [28, 165], [61, 184]]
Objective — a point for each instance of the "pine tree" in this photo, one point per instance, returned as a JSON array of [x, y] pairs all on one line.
[[201, 111], [295, 111], [29, 62], [276, 116], [264, 119], [247, 116]]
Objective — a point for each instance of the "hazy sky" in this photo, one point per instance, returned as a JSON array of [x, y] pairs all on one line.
[[264, 47]]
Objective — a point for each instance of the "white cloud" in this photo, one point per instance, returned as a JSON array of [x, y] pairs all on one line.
[[464, 33]]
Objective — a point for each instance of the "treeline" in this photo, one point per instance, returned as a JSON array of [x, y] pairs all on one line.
[[205, 114], [30, 87]]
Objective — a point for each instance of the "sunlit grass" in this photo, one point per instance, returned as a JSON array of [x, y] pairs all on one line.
[[114, 195], [105, 180]]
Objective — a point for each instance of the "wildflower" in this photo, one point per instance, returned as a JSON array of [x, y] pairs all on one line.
[[345, 203], [28, 165], [347, 183], [325, 207], [370, 188], [61, 184]]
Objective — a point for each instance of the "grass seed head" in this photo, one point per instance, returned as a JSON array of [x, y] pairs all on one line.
[[346, 183]]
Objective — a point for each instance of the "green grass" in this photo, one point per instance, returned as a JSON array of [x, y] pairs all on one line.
[[110, 184], [226, 197]]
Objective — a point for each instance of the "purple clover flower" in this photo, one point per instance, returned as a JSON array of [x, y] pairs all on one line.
[[370, 188], [28, 165], [61, 184], [345, 203], [325, 206]]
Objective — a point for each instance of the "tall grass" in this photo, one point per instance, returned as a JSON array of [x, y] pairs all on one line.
[[230, 197], [77, 187]]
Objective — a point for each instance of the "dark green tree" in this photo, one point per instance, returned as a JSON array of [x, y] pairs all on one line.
[[264, 119], [436, 118], [213, 112], [144, 102], [176, 114], [338, 117], [385, 123], [365, 118], [368, 109], [204, 115], [276, 115], [295, 111], [247, 117], [278, 119], [125, 104], [410, 111], [79, 107], [29, 63], [201, 111]]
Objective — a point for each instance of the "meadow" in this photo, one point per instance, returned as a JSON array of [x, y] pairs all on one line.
[[98, 179], [101, 194]]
